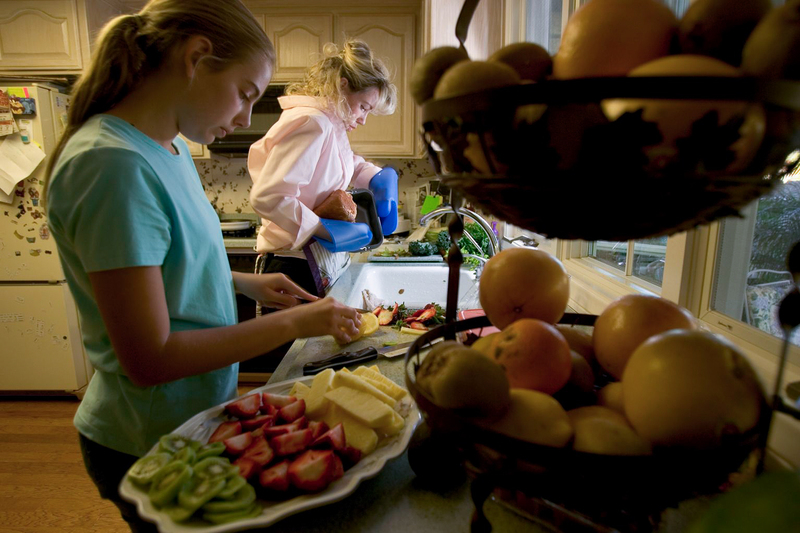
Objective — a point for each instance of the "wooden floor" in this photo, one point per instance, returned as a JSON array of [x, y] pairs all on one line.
[[44, 487]]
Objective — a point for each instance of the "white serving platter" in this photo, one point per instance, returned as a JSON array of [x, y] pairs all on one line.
[[202, 425]]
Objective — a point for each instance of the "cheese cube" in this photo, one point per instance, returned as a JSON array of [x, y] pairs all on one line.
[[299, 390], [355, 382], [395, 427], [362, 406], [356, 434], [387, 385], [316, 403]]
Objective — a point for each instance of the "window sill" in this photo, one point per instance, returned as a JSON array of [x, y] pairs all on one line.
[[592, 287]]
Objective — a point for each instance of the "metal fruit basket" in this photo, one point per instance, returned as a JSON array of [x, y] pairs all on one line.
[[625, 493], [530, 153]]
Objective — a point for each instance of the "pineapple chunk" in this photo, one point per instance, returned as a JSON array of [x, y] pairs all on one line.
[[343, 379], [356, 434], [386, 385], [395, 427], [299, 390], [316, 403], [362, 406]]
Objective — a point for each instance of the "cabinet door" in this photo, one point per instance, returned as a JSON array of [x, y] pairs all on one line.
[[298, 41], [392, 39], [39, 34], [42, 348]]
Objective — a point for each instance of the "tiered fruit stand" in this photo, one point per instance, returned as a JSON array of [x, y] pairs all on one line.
[[530, 187]]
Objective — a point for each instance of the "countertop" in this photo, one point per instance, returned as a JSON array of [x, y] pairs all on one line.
[[393, 501]]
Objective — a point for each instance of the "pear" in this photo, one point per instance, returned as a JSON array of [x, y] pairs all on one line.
[[719, 28], [773, 49]]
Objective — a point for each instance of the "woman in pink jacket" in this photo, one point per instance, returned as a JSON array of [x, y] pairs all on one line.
[[306, 156]]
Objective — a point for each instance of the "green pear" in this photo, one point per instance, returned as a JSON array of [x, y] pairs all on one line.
[[773, 49], [719, 28]]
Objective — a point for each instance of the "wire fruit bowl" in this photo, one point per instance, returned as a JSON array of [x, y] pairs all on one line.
[[532, 154], [622, 492]]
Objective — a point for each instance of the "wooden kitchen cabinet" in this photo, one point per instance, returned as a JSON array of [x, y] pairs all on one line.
[[40, 34], [392, 38], [51, 36], [298, 39]]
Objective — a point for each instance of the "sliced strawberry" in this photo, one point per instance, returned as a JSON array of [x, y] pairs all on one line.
[[412, 317], [246, 407], [417, 325], [377, 310], [278, 400], [338, 468], [259, 451], [276, 477], [247, 467], [385, 318], [290, 443], [226, 430], [313, 470], [238, 444], [250, 424], [269, 409], [333, 439], [317, 428], [293, 411], [350, 455], [427, 314], [297, 425]]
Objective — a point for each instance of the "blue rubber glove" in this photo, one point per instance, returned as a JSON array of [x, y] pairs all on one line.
[[345, 236], [384, 188]]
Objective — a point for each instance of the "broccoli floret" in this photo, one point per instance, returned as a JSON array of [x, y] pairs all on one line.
[[443, 242], [421, 248]]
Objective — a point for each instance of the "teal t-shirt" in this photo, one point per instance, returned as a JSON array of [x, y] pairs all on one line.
[[118, 199]]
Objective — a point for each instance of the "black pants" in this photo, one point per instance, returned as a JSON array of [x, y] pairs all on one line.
[[107, 467], [298, 271]]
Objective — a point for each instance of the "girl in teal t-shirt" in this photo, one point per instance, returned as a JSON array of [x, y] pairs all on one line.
[[139, 242]]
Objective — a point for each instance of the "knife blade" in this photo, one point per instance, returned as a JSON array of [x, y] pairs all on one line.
[[361, 356]]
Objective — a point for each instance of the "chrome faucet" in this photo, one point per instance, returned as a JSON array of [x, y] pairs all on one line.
[[494, 245]]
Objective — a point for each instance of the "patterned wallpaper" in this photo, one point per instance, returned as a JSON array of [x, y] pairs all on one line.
[[227, 182]]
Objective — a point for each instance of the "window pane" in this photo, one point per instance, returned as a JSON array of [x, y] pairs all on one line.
[[612, 253], [543, 24], [751, 276], [648, 259]]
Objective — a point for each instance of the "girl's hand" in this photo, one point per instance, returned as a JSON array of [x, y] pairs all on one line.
[[326, 317], [271, 290]]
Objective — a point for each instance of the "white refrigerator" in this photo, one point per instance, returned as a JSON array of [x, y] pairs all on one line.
[[40, 342]]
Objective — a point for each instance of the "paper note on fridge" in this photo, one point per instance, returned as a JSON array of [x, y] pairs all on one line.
[[17, 161]]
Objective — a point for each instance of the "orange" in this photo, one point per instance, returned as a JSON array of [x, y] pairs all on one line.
[[675, 118], [612, 37], [523, 283], [629, 321], [690, 388], [535, 356]]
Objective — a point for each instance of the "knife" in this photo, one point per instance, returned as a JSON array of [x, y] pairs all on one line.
[[361, 356]]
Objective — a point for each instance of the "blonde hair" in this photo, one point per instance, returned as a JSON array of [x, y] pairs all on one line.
[[356, 63], [130, 47]]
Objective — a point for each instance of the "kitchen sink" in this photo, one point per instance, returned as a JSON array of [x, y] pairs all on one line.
[[413, 284]]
